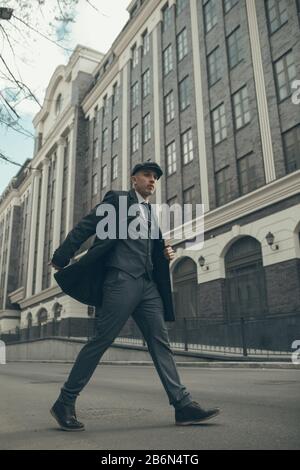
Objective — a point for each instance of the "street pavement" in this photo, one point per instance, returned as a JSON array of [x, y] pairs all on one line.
[[126, 408]]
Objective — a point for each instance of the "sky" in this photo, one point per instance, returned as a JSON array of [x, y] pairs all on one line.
[[35, 59]]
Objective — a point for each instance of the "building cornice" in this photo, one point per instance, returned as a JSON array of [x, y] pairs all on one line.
[[125, 37], [10, 314], [118, 47], [268, 195], [90, 100], [9, 200], [40, 297], [17, 295]]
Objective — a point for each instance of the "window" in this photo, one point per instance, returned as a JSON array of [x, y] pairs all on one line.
[[115, 96], [133, 10], [167, 18], [276, 14], [223, 186], [171, 158], [104, 140], [169, 107], [188, 195], [247, 174], [173, 221], [58, 104], [135, 56], [241, 108], [184, 95], [146, 128], [96, 149], [291, 144], [105, 66], [189, 198], [146, 43], [245, 285], [135, 95], [115, 129], [210, 14], [219, 124], [94, 184], [180, 6], [114, 165], [104, 105], [146, 83], [214, 66], [168, 60], [234, 46], [228, 4], [104, 177], [187, 146], [134, 138], [182, 45], [285, 74], [96, 116]]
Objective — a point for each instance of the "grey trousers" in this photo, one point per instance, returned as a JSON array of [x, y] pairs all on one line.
[[123, 296]]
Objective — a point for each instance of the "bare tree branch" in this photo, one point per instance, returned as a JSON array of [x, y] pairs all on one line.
[[11, 126], [41, 34], [10, 107]]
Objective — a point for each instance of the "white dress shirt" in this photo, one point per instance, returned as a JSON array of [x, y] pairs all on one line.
[[141, 206]]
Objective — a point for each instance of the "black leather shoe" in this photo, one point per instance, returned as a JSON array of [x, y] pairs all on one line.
[[66, 417], [194, 414]]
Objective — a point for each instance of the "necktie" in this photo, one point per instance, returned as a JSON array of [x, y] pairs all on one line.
[[149, 265], [148, 212]]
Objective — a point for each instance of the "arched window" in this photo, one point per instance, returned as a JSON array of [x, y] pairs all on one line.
[[58, 104], [42, 322], [185, 288], [29, 325], [91, 311], [245, 280], [29, 320], [57, 311]]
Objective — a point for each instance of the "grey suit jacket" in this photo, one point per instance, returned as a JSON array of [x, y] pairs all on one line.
[[83, 279]]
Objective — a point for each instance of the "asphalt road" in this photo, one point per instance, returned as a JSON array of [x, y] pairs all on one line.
[[126, 408]]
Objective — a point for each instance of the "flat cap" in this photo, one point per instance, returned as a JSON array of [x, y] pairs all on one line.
[[148, 165]]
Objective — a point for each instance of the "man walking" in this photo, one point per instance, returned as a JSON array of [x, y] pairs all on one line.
[[123, 277]]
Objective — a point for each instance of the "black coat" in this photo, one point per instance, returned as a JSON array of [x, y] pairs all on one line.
[[83, 279]]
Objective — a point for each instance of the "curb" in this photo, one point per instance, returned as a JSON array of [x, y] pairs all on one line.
[[200, 365]]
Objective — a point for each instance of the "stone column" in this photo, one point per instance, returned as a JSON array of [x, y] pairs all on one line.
[[59, 173], [125, 127], [71, 178], [199, 107], [260, 86], [156, 106], [42, 221], [2, 250], [10, 234], [34, 215]]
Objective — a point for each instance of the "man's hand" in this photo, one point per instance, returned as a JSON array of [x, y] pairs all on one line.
[[58, 268], [169, 253]]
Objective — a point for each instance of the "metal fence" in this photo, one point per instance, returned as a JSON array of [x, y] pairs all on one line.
[[272, 335]]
